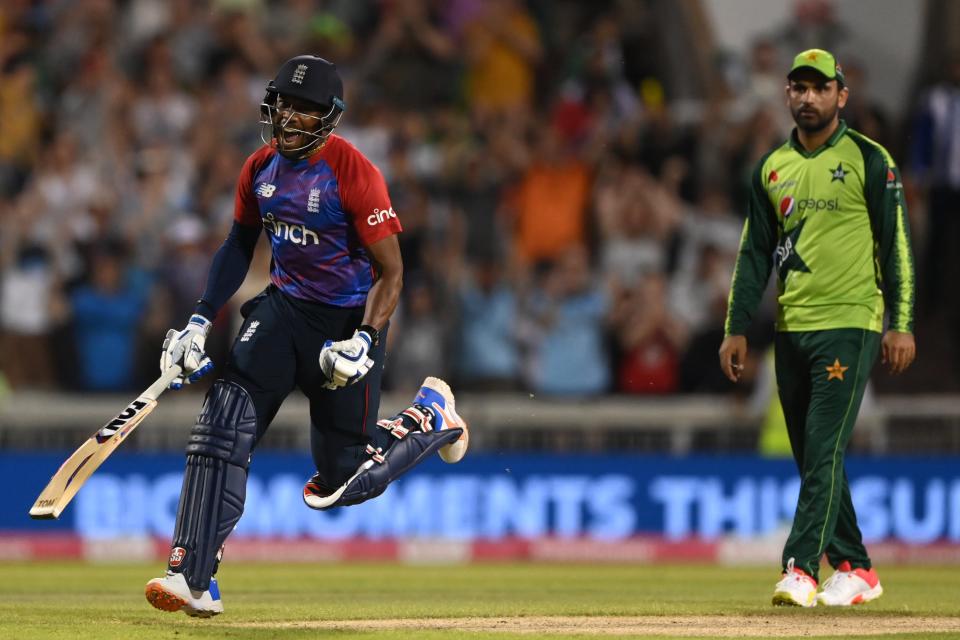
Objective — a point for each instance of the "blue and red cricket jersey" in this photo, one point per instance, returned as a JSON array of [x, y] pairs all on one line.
[[319, 214]]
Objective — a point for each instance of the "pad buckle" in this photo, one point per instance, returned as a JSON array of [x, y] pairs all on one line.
[[395, 427], [375, 454], [420, 416]]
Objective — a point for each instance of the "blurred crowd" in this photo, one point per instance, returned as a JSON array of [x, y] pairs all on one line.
[[566, 231]]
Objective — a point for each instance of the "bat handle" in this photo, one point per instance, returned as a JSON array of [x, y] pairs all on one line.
[[153, 391]]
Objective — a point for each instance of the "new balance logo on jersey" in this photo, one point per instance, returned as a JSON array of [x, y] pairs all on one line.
[[298, 74], [265, 189], [295, 233], [313, 201], [252, 329], [379, 215]]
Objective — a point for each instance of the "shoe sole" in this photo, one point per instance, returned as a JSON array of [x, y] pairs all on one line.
[[873, 594], [164, 600], [455, 451], [784, 599], [862, 598]]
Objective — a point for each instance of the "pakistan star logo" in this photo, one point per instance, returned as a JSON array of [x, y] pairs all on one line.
[[836, 371], [786, 257], [838, 173]]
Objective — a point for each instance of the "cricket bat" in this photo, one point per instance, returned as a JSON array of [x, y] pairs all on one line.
[[80, 466]]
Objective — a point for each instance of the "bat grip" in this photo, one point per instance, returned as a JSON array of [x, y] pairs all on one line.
[[153, 391]]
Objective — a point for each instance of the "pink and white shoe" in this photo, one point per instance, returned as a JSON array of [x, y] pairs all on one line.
[[436, 395], [172, 593], [849, 586], [796, 588]]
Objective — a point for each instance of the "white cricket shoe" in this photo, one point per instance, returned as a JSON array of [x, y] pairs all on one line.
[[795, 589], [436, 394], [171, 593], [849, 586]]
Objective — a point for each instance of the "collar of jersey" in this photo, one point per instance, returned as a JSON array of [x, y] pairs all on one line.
[[832, 140], [313, 158]]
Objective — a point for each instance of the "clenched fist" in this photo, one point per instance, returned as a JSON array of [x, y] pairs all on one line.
[[347, 361]]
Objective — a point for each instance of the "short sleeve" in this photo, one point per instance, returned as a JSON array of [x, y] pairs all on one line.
[[363, 194], [246, 211]]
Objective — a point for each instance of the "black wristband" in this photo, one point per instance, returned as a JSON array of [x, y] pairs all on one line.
[[205, 309], [373, 333]]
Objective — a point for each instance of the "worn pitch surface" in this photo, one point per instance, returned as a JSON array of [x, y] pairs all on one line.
[[74, 600]]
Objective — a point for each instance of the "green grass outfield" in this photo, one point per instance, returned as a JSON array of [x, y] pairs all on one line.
[[70, 601]]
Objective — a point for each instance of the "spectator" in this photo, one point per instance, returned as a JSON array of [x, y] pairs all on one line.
[[648, 340], [710, 239], [503, 49], [489, 357], [511, 132], [28, 312], [20, 123], [567, 330], [634, 231], [477, 192], [936, 168], [420, 351], [764, 86], [814, 23], [862, 112], [185, 271], [162, 112], [549, 203], [106, 316], [409, 47]]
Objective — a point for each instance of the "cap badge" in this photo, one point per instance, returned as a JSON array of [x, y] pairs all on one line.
[[298, 74]]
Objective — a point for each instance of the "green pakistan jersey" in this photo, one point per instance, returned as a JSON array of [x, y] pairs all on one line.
[[832, 222]]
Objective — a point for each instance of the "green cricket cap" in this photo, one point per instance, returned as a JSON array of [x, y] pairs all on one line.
[[823, 62]]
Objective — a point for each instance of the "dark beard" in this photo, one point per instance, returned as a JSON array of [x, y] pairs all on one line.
[[815, 126]]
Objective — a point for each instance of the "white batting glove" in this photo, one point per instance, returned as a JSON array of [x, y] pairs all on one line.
[[186, 348], [345, 362]]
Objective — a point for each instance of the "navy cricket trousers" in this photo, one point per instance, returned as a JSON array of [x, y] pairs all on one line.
[[277, 350]]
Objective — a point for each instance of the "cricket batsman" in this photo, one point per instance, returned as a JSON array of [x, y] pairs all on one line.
[[320, 326], [826, 212]]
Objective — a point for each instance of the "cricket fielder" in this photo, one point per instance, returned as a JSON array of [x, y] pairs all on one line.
[[827, 213], [320, 326]]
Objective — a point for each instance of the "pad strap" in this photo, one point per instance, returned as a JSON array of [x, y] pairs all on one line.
[[374, 475]]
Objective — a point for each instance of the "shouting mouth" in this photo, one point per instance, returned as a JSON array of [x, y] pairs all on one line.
[[290, 137]]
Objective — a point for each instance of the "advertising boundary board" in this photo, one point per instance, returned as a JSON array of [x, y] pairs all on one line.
[[537, 507]]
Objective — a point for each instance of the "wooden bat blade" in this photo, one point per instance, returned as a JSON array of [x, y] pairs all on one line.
[[80, 466]]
